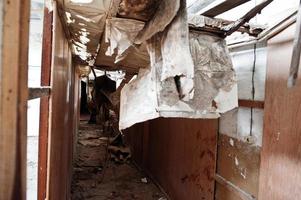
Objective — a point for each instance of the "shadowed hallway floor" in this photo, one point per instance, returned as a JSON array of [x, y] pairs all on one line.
[[95, 177]]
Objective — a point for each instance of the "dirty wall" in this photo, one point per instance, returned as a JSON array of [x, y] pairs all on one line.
[[178, 152]]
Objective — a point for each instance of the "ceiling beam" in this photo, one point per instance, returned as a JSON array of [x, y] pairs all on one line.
[[212, 8]]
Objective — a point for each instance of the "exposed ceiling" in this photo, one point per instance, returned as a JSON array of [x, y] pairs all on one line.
[[85, 25]]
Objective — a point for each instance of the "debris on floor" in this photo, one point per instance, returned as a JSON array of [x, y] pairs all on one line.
[[97, 177]]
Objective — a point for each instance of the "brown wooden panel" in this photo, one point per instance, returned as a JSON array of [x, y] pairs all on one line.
[[44, 104], [61, 116], [280, 172], [238, 162], [222, 193], [182, 157], [134, 137], [13, 98], [251, 104], [179, 154]]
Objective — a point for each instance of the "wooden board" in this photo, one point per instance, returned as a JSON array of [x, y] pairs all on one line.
[[280, 173], [180, 154], [44, 104], [238, 162], [13, 98], [62, 111]]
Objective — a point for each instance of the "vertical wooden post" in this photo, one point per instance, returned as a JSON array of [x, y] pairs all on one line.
[[44, 104], [13, 99]]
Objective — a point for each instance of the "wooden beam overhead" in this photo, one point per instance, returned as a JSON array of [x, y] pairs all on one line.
[[231, 28], [217, 7]]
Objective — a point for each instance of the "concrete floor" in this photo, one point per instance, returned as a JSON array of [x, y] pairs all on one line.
[[96, 177]]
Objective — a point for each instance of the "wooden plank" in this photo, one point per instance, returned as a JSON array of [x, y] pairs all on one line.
[[280, 171], [182, 156], [251, 104], [231, 28], [13, 99], [238, 163], [220, 6], [44, 104], [39, 92], [61, 125]]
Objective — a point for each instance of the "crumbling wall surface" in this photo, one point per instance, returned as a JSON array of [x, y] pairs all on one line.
[[241, 129], [120, 34], [191, 76]]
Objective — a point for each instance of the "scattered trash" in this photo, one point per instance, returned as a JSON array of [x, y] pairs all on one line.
[[91, 142], [144, 180], [120, 154]]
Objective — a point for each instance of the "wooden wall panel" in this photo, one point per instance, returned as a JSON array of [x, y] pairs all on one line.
[[14, 22], [134, 137], [238, 162], [280, 173], [44, 104], [61, 116], [180, 154]]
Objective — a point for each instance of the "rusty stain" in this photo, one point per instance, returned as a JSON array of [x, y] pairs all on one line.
[[207, 172], [207, 152]]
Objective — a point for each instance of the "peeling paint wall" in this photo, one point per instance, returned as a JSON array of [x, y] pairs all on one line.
[[241, 129], [250, 65]]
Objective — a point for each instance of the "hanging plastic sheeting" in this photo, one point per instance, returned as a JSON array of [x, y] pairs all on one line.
[[215, 87], [86, 22], [177, 86], [215, 81], [168, 83], [121, 33]]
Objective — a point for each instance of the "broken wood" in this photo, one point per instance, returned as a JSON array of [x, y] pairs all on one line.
[[231, 28], [35, 93], [222, 33], [295, 62]]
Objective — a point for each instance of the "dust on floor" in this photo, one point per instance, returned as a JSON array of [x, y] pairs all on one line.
[[97, 178]]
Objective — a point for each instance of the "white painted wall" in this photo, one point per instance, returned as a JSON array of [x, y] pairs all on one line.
[[246, 124]]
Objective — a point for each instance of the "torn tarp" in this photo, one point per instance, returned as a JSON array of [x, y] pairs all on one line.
[[215, 87], [121, 33], [195, 82]]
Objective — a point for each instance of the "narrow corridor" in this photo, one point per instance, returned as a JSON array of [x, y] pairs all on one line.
[[97, 177]]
